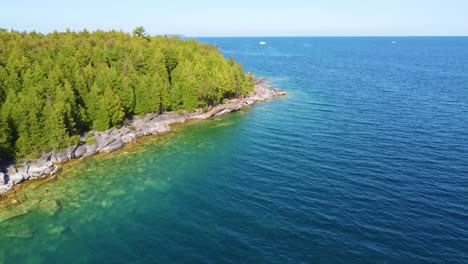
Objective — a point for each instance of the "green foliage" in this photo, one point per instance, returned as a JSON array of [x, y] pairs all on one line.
[[54, 87], [89, 139], [5, 141], [139, 32]]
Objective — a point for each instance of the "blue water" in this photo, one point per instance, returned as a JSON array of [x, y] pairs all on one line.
[[365, 161]]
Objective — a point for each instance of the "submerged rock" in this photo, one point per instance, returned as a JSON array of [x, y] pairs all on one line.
[[20, 232], [50, 207], [11, 213]]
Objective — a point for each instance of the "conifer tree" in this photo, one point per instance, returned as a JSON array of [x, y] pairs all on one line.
[[54, 87]]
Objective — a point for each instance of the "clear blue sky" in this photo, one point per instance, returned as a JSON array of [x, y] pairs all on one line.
[[243, 17]]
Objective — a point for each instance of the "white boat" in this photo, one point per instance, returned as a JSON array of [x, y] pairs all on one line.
[[393, 42], [262, 43]]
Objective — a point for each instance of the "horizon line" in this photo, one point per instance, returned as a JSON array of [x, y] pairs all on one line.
[[236, 36], [322, 36]]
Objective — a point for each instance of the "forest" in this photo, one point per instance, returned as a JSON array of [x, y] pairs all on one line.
[[56, 86]]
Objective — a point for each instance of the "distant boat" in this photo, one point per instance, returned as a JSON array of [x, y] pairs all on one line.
[[393, 42], [262, 43]]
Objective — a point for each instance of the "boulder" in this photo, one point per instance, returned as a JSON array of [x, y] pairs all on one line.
[[24, 172], [279, 92], [71, 152], [40, 169], [60, 157], [129, 137], [11, 170], [169, 118], [223, 111], [162, 129], [113, 146], [124, 130], [137, 123], [150, 116], [115, 133], [55, 170], [146, 129], [90, 150], [15, 179], [80, 151], [103, 142]]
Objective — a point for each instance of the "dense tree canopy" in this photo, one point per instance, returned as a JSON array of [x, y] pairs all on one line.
[[56, 86]]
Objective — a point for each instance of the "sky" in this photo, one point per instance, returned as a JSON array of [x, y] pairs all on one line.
[[243, 17]]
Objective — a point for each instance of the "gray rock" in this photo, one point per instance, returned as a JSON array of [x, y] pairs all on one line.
[[60, 157], [115, 133], [15, 179], [24, 172], [129, 137], [146, 129], [124, 130], [137, 123], [80, 151], [162, 129], [46, 156], [280, 92], [102, 142], [113, 146], [71, 152], [223, 111], [150, 116], [37, 170], [55, 170], [90, 150]]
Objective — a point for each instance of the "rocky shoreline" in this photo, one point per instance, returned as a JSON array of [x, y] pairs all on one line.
[[94, 142]]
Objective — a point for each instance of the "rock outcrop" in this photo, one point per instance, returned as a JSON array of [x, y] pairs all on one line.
[[115, 138]]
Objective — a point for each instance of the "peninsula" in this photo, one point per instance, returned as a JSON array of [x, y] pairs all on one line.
[[70, 95]]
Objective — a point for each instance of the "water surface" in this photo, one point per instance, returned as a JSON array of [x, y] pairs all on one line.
[[365, 161]]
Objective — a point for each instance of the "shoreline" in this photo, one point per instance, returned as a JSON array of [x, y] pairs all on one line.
[[49, 164]]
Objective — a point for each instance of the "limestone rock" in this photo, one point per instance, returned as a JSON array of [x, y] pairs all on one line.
[[113, 146], [60, 157], [146, 129], [103, 142], [55, 170], [80, 151], [15, 178], [124, 130], [280, 92], [39, 169], [90, 150], [129, 137], [163, 129]]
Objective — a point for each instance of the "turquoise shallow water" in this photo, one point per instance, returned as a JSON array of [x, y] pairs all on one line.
[[365, 161]]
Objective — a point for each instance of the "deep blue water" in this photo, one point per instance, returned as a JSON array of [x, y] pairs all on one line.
[[365, 161]]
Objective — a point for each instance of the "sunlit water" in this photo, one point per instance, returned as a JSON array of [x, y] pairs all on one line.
[[365, 161]]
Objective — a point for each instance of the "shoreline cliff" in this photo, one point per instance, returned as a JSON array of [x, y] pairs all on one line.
[[49, 164]]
